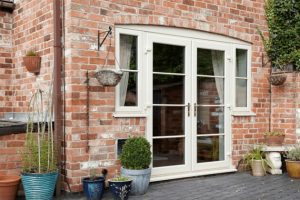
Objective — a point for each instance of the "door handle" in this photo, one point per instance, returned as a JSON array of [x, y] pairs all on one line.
[[189, 109], [195, 109]]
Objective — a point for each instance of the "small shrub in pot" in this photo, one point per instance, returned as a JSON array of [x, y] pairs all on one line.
[[120, 187], [135, 161], [293, 162]]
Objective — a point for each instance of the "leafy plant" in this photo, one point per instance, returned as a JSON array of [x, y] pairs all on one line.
[[273, 133], [294, 153], [257, 153], [120, 178], [31, 53], [136, 153], [283, 44], [39, 155]]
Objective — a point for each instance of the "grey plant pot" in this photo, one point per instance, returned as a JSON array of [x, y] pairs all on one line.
[[140, 180]]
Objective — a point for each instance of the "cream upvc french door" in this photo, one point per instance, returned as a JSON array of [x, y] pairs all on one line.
[[187, 104]]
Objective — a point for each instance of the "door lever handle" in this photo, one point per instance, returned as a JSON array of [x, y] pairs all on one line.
[[189, 109], [195, 109]]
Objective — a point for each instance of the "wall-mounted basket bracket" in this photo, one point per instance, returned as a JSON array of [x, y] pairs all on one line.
[[108, 32]]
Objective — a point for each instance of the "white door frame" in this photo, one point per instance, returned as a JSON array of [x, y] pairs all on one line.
[[179, 41]]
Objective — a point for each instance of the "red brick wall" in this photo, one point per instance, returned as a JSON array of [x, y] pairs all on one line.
[[10, 158], [6, 63]]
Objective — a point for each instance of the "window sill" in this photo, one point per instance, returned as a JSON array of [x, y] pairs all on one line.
[[129, 114], [243, 113]]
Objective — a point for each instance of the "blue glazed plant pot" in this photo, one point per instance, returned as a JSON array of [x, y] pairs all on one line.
[[120, 189], [93, 188], [39, 186]]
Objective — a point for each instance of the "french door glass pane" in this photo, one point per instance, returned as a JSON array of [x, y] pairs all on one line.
[[210, 148], [241, 63], [241, 93], [168, 58], [210, 91], [167, 152], [168, 121], [210, 120], [128, 90], [168, 89], [210, 62]]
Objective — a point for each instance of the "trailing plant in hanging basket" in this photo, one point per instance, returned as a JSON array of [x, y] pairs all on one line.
[[32, 62], [277, 78], [108, 77]]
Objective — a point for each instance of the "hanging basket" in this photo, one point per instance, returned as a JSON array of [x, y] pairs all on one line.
[[277, 78], [32, 63], [108, 77]]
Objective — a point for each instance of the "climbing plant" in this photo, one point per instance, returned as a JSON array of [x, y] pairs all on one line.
[[283, 44]]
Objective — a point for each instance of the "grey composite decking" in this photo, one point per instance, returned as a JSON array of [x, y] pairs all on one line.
[[234, 186]]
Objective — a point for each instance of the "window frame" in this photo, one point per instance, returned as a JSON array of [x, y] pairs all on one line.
[[130, 111], [246, 110]]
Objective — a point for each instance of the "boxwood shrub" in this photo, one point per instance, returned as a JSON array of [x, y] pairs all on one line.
[[136, 153]]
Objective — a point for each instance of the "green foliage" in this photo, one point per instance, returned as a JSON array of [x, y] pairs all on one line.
[[294, 153], [136, 153], [120, 178], [257, 153], [274, 133], [39, 154], [31, 53], [283, 44]]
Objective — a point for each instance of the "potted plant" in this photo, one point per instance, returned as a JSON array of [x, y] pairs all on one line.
[[293, 162], [9, 186], [135, 161], [256, 159], [120, 187], [280, 46], [32, 62], [39, 169], [274, 138], [93, 186]]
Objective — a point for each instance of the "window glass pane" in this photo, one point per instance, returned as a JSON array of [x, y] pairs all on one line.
[[241, 63], [128, 89], [168, 120], [169, 151], [128, 52], [241, 93], [210, 62], [168, 89], [168, 58], [210, 120], [210, 148], [210, 91]]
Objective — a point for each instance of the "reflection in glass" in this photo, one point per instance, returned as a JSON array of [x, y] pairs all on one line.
[[168, 121], [210, 148], [129, 98], [168, 89], [167, 152], [210, 62], [128, 52], [241, 93], [210, 91], [241, 63], [210, 120], [168, 58]]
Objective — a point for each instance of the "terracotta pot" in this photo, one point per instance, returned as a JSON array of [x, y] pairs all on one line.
[[9, 187], [274, 140], [277, 78], [293, 168], [257, 168], [32, 63]]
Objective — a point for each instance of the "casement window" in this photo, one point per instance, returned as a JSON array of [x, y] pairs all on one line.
[[242, 81], [128, 92]]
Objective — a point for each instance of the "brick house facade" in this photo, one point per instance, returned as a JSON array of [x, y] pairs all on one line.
[[30, 27]]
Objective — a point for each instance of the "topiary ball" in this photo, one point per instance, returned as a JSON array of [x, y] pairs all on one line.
[[136, 153]]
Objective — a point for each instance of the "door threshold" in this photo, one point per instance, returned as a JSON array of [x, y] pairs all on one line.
[[164, 177]]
